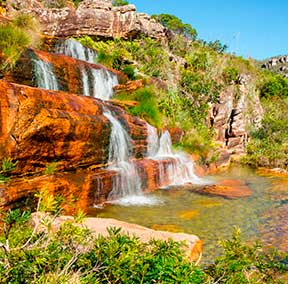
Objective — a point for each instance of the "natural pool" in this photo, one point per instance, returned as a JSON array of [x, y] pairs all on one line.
[[263, 215]]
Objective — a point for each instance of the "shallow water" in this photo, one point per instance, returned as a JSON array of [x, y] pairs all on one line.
[[260, 216]]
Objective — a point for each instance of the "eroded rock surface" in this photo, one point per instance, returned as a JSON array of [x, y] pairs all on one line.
[[91, 17]]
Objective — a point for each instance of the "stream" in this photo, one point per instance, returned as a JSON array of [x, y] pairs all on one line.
[[261, 216]]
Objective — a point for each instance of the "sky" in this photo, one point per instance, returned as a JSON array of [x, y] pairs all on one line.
[[250, 28]]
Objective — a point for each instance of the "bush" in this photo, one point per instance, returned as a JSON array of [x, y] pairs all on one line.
[[118, 3], [268, 146], [276, 86], [13, 41], [36, 252], [176, 25], [147, 108], [15, 36]]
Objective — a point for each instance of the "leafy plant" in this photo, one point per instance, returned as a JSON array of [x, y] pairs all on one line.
[[51, 168], [176, 25], [118, 3]]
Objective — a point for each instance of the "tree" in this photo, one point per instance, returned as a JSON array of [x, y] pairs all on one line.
[[176, 25]]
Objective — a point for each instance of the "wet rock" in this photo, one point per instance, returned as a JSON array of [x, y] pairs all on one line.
[[226, 188], [40, 126]]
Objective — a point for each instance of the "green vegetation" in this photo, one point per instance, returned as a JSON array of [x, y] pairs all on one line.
[[187, 76], [269, 144], [118, 3], [275, 86], [7, 167], [51, 168], [15, 36], [176, 25], [147, 108], [38, 252]]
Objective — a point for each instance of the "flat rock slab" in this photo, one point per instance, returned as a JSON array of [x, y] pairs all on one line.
[[100, 225], [229, 188]]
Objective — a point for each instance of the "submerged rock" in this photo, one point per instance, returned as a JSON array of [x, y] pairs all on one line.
[[226, 188]]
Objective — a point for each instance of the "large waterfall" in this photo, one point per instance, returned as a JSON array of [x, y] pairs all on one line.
[[75, 49]]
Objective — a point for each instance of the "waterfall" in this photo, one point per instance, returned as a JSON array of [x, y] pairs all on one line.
[[75, 49], [152, 140], [85, 82], [44, 76], [127, 182], [103, 83], [181, 168]]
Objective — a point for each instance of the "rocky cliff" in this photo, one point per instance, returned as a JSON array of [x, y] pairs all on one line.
[[91, 17], [238, 109]]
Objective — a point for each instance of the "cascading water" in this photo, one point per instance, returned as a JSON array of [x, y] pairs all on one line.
[[103, 83], [75, 49], [181, 168], [98, 83], [127, 184], [44, 76]]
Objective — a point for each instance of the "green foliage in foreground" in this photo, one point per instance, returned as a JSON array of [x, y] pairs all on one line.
[[269, 144], [33, 251]]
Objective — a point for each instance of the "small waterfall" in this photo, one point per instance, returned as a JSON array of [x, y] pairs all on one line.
[[181, 168], [85, 82], [152, 140], [44, 76], [127, 183], [75, 49], [103, 83]]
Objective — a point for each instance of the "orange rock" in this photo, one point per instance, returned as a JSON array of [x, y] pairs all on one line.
[[129, 86], [188, 214], [227, 188], [167, 227]]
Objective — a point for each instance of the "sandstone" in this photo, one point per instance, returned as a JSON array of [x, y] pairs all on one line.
[[40, 126], [91, 17], [99, 226], [67, 71]]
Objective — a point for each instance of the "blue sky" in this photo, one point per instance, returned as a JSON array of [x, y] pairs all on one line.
[[251, 28]]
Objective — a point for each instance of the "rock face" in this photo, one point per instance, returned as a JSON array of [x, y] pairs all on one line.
[[40, 126], [91, 17], [68, 72], [277, 64], [238, 108]]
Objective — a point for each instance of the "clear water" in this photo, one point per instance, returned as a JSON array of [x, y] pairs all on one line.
[[213, 218]]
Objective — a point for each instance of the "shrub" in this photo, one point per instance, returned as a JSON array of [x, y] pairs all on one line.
[[230, 75], [13, 41], [176, 25], [147, 108], [275, 85], [118, 3]]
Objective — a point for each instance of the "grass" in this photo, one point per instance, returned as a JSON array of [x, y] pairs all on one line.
[[15, 36]]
